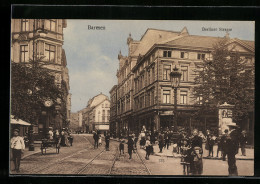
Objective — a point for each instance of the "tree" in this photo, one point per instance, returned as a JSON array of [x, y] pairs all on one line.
[[226, 78], [31, 85]]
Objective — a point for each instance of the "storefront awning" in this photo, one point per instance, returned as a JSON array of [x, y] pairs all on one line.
[[19, 122]]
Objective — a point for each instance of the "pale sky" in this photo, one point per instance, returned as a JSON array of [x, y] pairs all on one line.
[[92, 54]]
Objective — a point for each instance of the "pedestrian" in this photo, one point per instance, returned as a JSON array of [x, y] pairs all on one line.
[[179, 142], [232, 143], [243, 141], [196, 164], [51, 133], [107, 139], [130, 146], [148, 148], [95, 137], [56, 136], [70, 137], [197, 161], [211, 143], [185, 157], [122, 146], [161, 143], [63, 137], [17, 147], [99, 140], [152, 138], [142, 140], [66, 137], [223, 141], [166, 141], [220, 146]]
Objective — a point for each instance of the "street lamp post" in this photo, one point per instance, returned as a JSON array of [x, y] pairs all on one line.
[[30, 135], [175, 77]]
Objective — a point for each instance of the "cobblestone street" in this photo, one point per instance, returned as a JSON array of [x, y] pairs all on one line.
[[83, 159]]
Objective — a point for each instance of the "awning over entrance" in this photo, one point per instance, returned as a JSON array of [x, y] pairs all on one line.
[[18, 122]]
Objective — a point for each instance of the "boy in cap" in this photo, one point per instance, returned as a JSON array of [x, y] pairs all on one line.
[[17, 146]]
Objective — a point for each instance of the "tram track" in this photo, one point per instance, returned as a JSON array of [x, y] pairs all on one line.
[[63, 160], [134, 161], [89, 161]]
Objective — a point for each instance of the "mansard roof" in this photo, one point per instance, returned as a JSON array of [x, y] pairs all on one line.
[[207, 42], [151, 37]]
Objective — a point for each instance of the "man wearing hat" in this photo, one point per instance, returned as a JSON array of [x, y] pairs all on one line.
[[130, 144], [17, 147], [232, 142], [223, 141]]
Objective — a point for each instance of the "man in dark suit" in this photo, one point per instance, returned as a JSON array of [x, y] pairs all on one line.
[[107, 139], [95, 137], [224, 145], [232, 143], [130, 146]]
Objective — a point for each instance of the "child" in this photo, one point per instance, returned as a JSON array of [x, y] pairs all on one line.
[[122, 146], [185, 157], [197, 161], [148, 146]]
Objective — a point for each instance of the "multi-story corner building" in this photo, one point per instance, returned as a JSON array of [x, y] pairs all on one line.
[[113, 111], [151, 96], [41, 40], [96, 116]]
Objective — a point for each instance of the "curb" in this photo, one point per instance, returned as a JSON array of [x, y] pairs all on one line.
[[208, 158], [35, 152], [171, 156]]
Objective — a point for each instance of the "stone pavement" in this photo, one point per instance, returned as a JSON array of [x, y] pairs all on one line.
[[169, 153]]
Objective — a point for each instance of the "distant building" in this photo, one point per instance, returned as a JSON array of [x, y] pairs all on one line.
[[76, 121], [144, 92], [96, 116], [114, 128]]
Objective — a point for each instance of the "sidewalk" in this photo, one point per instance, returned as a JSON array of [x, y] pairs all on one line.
[[37, 149], [169, 153]]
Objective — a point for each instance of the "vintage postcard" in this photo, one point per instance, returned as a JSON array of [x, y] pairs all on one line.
[[132, 97]]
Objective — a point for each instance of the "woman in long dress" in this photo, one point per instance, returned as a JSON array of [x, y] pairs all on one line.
[[99, 140]]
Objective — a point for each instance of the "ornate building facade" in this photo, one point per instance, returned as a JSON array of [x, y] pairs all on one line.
[[41, 40], [145, 96]]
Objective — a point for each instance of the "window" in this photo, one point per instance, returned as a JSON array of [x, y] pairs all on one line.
[[166, 96], [166, 72], [50, 25], [148, 77], [167, 53], [199, 100], [184, 72], [25, 25], [148, 99], [141, 101], [183, 97], [184, 54], [50, 52], [103, 115], [153, 74], [201, 56], [152, 97], [24, 56]]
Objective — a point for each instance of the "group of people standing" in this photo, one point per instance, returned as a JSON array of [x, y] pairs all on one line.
[[98, 139], [64, 136]]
